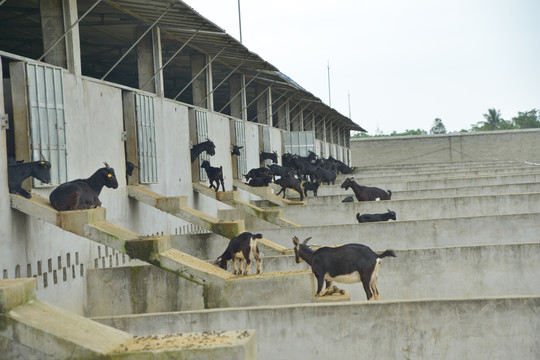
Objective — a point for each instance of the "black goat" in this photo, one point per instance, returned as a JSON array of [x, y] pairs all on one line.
[[311, 186], [214, 174], [207, 146], [278, 170], [326, 176], [347, 264], [268, 156], [257, 172], [235, 150], [83, 193], [390, 215], [260, 181], [18, 171], [289, 182], [305, 167], [130, 167], [341, 166], [240, 248], [366, 193]]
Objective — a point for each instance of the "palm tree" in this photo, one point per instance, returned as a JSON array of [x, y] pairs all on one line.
[[493, 120]]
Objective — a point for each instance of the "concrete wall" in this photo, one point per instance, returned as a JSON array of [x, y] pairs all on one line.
[[490, 328], [427, 149]]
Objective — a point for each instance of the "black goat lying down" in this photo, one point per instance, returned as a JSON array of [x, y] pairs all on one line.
[[366, 193], [347, 264], [17, 172], [83, 193], [214, 174], [390, 215], [240, 248]]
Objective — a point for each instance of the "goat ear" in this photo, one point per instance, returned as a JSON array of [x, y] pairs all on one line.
[[107, 165], [295, 241], [305, 241]]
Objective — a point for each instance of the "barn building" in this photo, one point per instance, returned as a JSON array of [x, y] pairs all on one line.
[[91, 81]]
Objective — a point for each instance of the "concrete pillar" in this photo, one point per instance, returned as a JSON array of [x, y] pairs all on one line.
[[203, 82], [282, 114], [264, 107], [287, 115], [297, 121], [237, 84], [56, 17], [149, 61]]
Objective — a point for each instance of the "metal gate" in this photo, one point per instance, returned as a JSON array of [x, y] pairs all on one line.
[[47, 119], [240, 133], [202, 136], [299, 142], [146, 139]]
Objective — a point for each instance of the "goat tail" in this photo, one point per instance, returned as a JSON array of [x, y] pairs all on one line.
[[387, 253]]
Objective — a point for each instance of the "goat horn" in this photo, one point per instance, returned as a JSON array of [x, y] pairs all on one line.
[[305, 241], [107, 165]]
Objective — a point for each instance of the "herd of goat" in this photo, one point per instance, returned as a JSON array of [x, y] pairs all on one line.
[[349, 263]]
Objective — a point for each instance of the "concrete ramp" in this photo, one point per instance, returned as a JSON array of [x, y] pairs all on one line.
[[177, 206], [266, 194], [231, 198], [155, 250], [32, 329]]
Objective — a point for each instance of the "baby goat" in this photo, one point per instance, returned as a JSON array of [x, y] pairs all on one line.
[[347, 264], [390, 215], [17, 172], [83, 193], [214, 174], [311, 186], [240, 248]]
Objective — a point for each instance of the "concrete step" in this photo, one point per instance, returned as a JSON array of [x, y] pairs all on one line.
[[463, 231], [177, 206], [266, 193], [432, 193], [418, 209], [33, 329], [502, 327]]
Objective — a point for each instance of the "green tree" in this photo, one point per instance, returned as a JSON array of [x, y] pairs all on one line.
[[409, 132], [493, 121], [438, 127], [527, 120]]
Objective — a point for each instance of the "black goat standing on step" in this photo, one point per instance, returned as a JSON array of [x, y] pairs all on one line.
[[241, 248], [214, 174], [311, 186], [347, 264], [362, 218], [366, 193], [83, 193], [289, 182], [17, 172], [207, 146]]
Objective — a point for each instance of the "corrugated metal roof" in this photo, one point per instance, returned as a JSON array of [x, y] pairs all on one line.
[[113, 26]]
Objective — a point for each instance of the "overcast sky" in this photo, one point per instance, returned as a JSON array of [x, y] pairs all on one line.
[[404, 63]]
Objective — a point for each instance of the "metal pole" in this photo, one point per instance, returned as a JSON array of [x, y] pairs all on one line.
[[68, 30], [172, 57], [200, 72], [139, 39], [329, 97], [239, 21]]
